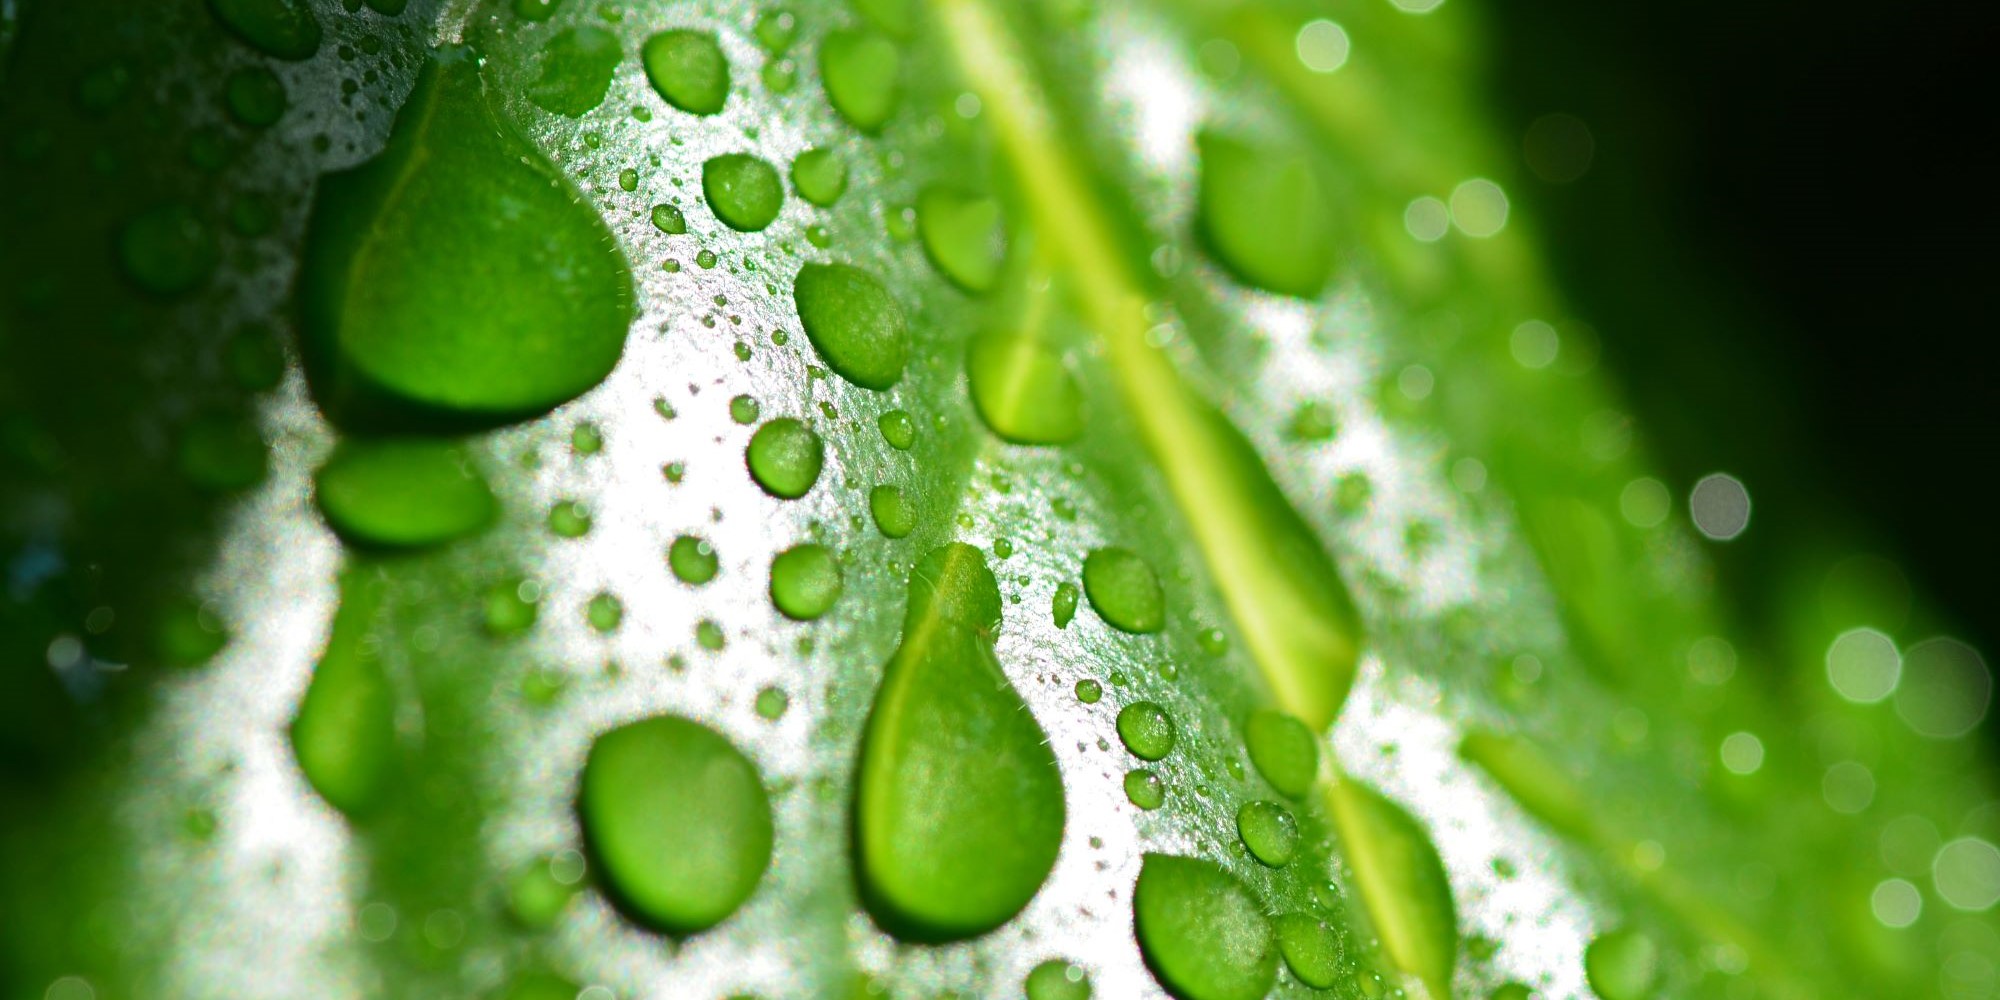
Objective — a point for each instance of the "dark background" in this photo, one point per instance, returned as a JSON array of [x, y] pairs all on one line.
[[1786, 240]]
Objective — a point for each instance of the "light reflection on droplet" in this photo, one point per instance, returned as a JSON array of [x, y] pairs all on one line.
[[1863, 665], [1645, 502], [1427, 219], [1966, 872], [1720, 506], [1322, 46], [1945, 690], [1742, 752], [1479, 208], [1896, 902], [1534, 344], [1848, 787]]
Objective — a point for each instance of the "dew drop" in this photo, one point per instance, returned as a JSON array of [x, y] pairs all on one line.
[[742, 190], [1146, 730], [785, 457], [1123, 588], [1202, 932], [688, 70], [854, 323], [805, 581]]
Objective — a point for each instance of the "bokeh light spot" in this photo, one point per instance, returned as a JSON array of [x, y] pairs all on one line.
[[1848, 787], [1896, 903], [1479, 208], [1945, 690], [1559, 148], [1720, 506], [1742, 752], [1967, 874], [1427, 219], [1534, 344], [1322, 46], [1645, 502], [1863, 665]]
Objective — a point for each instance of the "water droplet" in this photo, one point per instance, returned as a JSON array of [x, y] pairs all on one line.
[[187, 634], [785, 457], [457, 274], [820, 176], [1063, 606], [775, 29], [1088, 691], [1146, 730], [688, 70], [959, 801], [898, 429], [535, 10], [895, 515], [255, 96], [805, 581], [744, 410], [1312, 421], [772, 703], [344, 735], [678, 819], [1270, 832], [742, 190], [569, 519], [1123, 588], [510, 606], [859, 69], [708, 635], [962, 235], [1311, 949], [692, 559], [168, 250], [403, 493], [577, 66], [1056, 979], [604, 612], [542, 888], [282, 29], [1145, 789], [669, 219], [1264, 214], [1202, 932], [1284, 751], [1622, 965], [1022, 390], [854, 323]]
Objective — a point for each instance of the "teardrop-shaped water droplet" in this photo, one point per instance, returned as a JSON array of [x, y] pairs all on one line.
[[457, 277], [678, 821], [959, 803], [1022, 390], [577, 66], [1202, 933], [860, 69], [1284, 751], [962, 235], [742, 190], [785, 457], [1265, 215], [283, 29], [805, 581], [402, 493], [688, 70], [854, 323], [344, 736], [1125, 591]]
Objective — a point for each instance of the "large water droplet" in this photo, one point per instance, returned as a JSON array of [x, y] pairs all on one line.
[[1284, 751], [1146, 730], [678, 820], [805, 581], [1622, 965], [344, 736], [284, 29], [785, 457], [819, 176], [1123, 588], [1202, 932], [962, 235], [860, 70], [742, 190], [1265, 215], [168, 250], [1311, 949], [688, 69], [1022, 390], [402, 492], [458, 275], [1056, 979], [577, 66], [959, 802], [854, 323], [1269, 831]]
